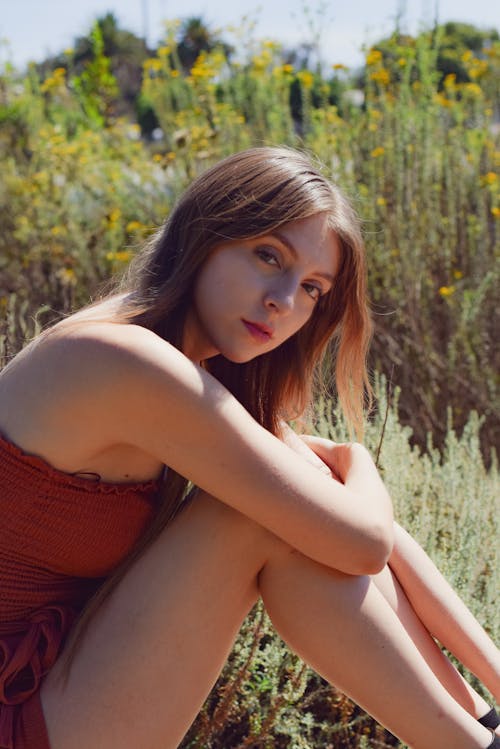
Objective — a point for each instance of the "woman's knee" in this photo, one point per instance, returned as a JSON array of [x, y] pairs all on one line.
[[218, 517]]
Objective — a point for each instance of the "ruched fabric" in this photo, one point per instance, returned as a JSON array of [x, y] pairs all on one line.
[[60, 536]]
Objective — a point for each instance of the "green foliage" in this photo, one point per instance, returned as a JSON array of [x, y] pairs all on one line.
[[96, 87]]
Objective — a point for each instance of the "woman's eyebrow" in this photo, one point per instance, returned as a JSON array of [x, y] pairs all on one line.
[[293, 252]]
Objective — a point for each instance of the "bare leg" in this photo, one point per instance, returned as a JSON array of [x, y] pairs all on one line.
[[443, 613], [447, 674], [156, 647], [345, 629]]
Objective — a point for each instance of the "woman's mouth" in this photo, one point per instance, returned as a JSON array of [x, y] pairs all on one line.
[[258, 330]]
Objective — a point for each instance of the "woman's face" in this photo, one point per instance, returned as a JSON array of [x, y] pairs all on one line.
[[251, 295]]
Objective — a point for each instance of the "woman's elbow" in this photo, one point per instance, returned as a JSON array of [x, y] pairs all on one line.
[[378, 549], [373, 552]]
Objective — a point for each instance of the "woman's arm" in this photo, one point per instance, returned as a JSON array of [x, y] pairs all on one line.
[[443, 612], [128, 386], [439, 608]]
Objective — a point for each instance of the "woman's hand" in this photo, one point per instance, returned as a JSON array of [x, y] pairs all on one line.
[[340, 457], [348, 462]]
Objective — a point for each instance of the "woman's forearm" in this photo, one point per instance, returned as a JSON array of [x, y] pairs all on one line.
[[443, 612]]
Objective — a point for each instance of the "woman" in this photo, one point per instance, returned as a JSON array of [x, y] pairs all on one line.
[[198, 365]]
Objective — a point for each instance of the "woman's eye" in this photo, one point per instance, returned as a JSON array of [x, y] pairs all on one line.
[[314, 291], [267, 256]]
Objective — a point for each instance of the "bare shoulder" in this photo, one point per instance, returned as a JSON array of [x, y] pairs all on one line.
[[89, 386]]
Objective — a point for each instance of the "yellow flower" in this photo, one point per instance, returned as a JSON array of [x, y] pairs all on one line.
[[467, 55], [306, 78], [163, 51], [54, 81], [457, 274], [174, 73], [153, 64], [489, 179], [496, 211], [67, 276], [382, 76], [372, 127], [381, 201], [134, 226], [445, 291], [473, 89], [122, 256], [114, 215], [402, 62], [373, 56], [479, 70], [442, 100], [339, 66], [450, 80], [378, 151]]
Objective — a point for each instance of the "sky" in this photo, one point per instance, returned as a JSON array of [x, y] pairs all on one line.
[[36, 28]]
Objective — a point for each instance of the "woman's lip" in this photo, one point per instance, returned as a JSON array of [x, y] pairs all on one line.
[[259, 331]]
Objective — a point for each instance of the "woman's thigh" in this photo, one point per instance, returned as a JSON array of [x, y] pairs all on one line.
[[154, 649]]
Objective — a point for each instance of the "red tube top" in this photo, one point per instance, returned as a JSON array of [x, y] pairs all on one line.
[[60, 535]]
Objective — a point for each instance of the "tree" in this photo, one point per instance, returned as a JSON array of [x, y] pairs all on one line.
[[194, 37]]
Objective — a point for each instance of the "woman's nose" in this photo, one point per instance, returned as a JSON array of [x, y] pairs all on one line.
[[280, 298]]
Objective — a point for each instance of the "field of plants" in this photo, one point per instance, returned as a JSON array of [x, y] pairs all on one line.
[[417, 148]]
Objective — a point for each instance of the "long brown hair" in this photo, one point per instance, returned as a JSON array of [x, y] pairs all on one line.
[[247, 195]]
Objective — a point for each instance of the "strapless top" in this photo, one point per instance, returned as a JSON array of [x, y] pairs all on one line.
[[61, 535]]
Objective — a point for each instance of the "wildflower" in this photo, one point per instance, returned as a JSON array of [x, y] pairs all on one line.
[[373, 57], [491, 178], [174, 73], [153, 65], [382, 76], [445, 291], [442, 100], [134, 226], [457, 274], [339, 66], [67, 276], [450, 80], [54, 81], [467, 56], [114, 215], [473, 89], [122, 256], [372, 127], [378, 151], [163, 51], [306, 78], [381, 201], [495, 211], [402, 62], [479, 70]]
